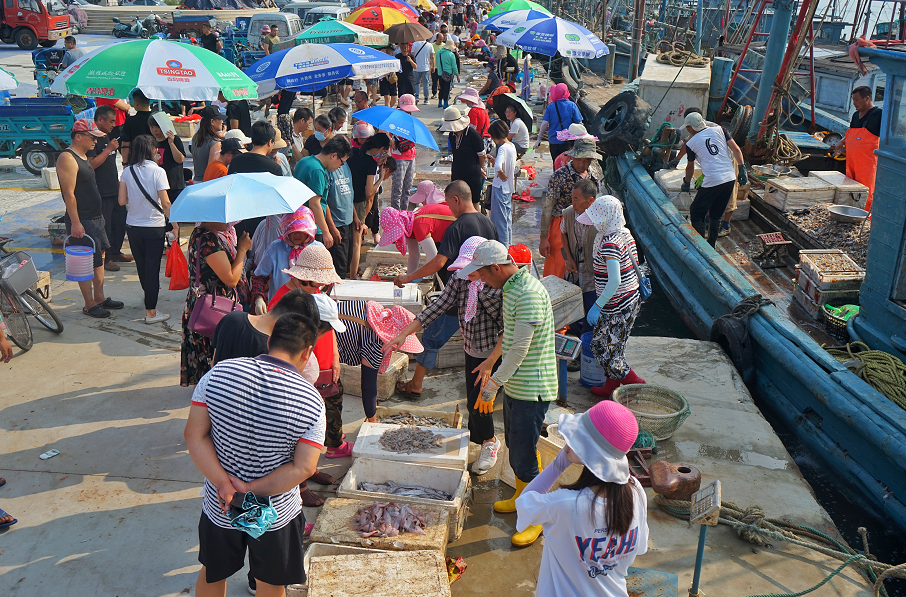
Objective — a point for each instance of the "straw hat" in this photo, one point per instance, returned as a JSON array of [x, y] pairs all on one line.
[[314, 264], [575, 131], [237, 134], [601, 437], [450, 45], [279, 143], [454, 121], [427, 193], [470, 96]]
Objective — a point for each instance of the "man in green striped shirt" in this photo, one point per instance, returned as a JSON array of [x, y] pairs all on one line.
[[528, 372]]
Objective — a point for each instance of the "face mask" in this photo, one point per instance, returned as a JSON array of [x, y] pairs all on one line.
[[320, 136]]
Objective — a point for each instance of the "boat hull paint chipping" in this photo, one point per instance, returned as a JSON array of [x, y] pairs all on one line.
[[858, 432]]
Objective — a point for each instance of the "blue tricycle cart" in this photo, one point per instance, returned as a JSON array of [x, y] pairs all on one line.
[[37, 129]]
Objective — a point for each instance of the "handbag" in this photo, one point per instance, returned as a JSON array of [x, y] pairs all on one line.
[[644, 282], [325, 384], [209, 309]]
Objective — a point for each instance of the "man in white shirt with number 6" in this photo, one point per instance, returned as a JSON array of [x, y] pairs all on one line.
[[709, 146]]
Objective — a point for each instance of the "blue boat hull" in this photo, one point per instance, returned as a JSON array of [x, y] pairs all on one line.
[[859, 433]]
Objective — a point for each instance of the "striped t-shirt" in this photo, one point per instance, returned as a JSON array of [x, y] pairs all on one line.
[[260, 409], [617, 246], [358, 342], [525, 300]]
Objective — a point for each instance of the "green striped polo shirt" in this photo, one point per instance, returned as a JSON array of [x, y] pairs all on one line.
[[525, 300]]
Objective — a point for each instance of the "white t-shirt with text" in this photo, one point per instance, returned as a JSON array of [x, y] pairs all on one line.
[[713, 154]]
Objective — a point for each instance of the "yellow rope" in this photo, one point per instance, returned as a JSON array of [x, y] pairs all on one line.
[[679, 57], [882, 371]]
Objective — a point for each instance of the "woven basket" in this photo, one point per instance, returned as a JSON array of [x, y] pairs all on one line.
[[658, 410]]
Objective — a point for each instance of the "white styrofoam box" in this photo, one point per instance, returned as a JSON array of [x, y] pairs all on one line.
[[548, 448], [384, 255], [382, 292], [320, 550], [411, 573], [788, 193], [51, 180], [453, 481], [566, 301], [451, 354], [689, 89], [452, 453], [351, 376], [849, 191]]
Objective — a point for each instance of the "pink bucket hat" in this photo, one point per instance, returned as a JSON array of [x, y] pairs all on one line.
[[601, 437], [466, 252], [388, 323], [396, 225], [301, 220], [427, 193], [470, 96], [406, 103]]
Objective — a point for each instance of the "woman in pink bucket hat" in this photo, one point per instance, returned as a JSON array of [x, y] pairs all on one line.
[[594, 528]]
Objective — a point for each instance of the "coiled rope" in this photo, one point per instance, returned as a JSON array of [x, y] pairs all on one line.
[[683, 57], [882, 371]]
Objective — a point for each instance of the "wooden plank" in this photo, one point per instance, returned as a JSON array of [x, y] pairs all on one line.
[[413, 574]]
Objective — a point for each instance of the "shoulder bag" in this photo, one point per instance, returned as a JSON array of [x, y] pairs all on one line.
[[209, 309], [644, 282]]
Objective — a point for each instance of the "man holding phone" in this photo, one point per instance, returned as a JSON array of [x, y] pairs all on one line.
[[103, 159]]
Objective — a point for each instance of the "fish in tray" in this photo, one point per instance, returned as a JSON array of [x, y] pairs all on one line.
[[410, 420], [407, 440], [383, 519], [406, 490]]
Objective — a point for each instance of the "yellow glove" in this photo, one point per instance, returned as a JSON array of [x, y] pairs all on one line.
[[485, 402]]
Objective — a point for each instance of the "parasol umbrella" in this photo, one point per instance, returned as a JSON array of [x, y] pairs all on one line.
[[227, 199], [408, 33], [7, 80], [425, 5], [163, 70], [510, 5], [311, 67], [510, 19], [379, 19], [398, 123], [523, 112], [551, 35], [333, 32], [404, 8]]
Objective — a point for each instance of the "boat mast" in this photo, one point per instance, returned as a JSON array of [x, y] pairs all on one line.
[[774, 52], [699, 23]]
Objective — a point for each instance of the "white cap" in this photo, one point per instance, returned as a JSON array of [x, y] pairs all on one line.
[[327, 310], [490, 252]]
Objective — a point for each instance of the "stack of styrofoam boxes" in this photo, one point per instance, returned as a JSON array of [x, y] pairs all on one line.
[[815, 287]]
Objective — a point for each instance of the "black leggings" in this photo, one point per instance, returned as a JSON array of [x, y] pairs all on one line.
[[481, 426], [369, 391], [445, 90], [148, 249], [434, 79]]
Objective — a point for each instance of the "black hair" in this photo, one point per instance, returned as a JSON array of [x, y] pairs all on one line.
[[104, 112], [338, 145], [139, 98], [302, 114], [376, 141], [460, 189], [862, 90], [692, 110], [70, 39], [336, 114], [324, 327], [203, 133], [498, 130], [619, 506], [391, 164], [293, 333], [325, 121], [143, 147], [262, 133], [587, 187], [300, 302]]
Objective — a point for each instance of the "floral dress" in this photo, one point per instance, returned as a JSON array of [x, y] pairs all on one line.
[[197, 350]]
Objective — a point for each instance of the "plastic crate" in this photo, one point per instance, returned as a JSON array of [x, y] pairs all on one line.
[[17, 277]]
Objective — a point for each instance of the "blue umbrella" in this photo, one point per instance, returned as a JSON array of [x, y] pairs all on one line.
[[398, 123], [510, 19], [551, 35], [240, 197], [407, 5], [310, 67]]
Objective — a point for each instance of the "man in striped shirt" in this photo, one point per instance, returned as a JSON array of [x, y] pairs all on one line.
[[256, 425], [528, 372]]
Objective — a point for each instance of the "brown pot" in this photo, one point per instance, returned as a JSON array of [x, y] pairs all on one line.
[[675, 481]]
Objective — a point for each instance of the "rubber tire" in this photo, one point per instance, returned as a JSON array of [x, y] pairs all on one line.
[[17, 328], [741, 124], [144, 34], [41, 311], [26, 40], [34, 152], [731, 335], [48, 43], [117, 33], [620, 124]]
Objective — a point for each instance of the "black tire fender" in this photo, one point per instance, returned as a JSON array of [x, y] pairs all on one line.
[[733, 337], [620, 124]]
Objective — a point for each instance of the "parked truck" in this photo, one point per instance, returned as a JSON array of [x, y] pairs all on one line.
[[28, 23]]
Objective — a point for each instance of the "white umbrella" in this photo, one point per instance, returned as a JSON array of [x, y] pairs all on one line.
[[7, 80]]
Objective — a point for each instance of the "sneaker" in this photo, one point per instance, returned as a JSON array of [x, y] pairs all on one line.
[[487, 459], [724, 229], [344, 450], [157, 318]]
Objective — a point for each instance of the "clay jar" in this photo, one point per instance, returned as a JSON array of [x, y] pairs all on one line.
[[675, 481]]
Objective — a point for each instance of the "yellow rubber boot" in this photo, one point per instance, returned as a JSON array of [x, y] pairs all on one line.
[[526, 537], [508, 506]]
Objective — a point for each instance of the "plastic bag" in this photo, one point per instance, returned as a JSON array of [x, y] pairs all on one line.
[[177, 268]]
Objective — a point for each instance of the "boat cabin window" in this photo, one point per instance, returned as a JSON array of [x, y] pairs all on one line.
[[834, 93], [896, 120]]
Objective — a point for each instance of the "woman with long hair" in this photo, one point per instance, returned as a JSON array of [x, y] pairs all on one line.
[[594, 528], [143, 187], [206, 141]]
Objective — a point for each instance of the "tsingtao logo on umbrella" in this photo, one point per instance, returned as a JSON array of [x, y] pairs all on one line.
[[174, 69]]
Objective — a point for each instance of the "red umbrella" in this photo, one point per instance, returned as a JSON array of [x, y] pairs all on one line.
[[390, 4], [378, 18]]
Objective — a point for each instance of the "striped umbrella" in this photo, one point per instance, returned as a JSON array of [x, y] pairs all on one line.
[[406, 9], [551, 35], [379, 18]]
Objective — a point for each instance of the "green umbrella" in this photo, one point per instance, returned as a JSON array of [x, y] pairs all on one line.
[[517, 5], [163, 70], [338, 32]]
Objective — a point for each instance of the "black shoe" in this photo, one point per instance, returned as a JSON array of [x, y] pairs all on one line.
[[109, 303], [574, 365]]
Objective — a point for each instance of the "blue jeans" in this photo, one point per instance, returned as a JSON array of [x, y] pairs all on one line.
[[522, 421], [434, 337], [502, 215], [423, 79]]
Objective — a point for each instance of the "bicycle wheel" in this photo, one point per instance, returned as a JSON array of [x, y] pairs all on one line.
[[17, 328], [40, 310]]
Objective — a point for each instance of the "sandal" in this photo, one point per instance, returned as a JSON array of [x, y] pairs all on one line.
[[8, 523], [309, 497], [341, 451], [109, 303], [321, 478], [2, 481], [97, 312], [406, 392], [308, 529]]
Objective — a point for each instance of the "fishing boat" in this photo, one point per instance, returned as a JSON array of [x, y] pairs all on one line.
[[859, 433]]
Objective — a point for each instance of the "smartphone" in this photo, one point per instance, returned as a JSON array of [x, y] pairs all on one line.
[[48, 454]]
